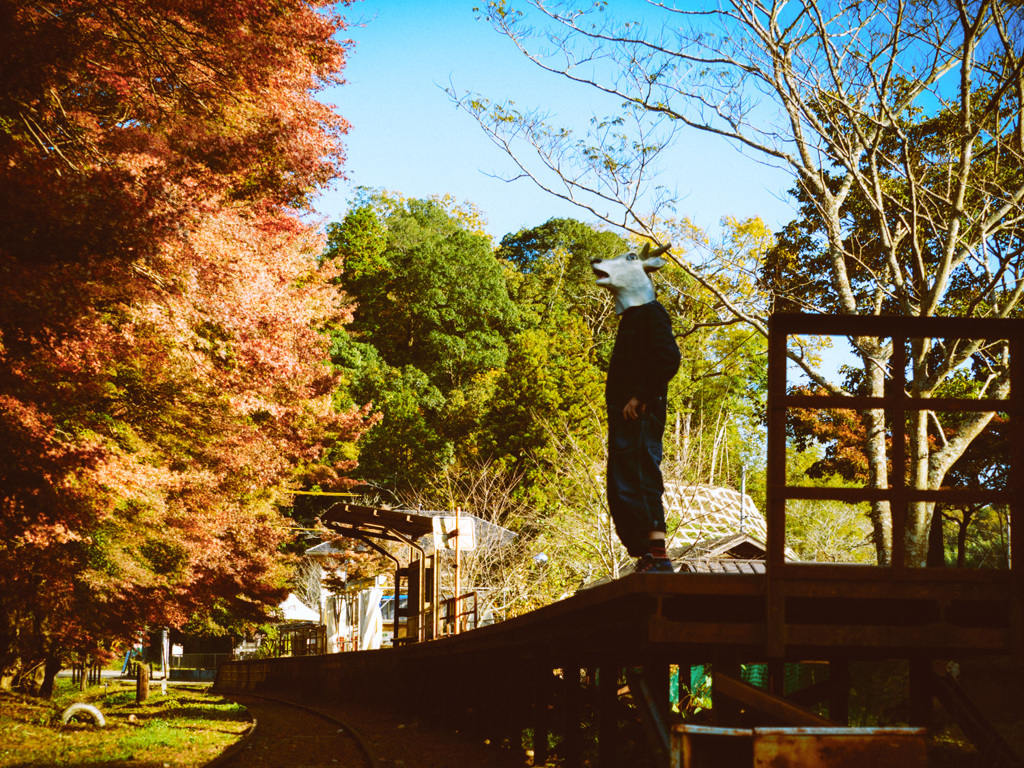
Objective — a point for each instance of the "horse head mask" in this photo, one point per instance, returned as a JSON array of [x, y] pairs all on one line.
[[626, 276]]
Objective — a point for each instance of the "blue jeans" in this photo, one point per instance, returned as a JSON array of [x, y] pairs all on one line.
[[634, 475]]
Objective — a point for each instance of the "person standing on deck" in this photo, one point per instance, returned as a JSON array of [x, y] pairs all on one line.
[[644, 360]]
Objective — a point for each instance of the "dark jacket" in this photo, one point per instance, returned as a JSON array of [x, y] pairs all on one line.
[[645, 357]]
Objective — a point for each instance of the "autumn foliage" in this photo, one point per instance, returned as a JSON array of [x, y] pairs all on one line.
[[162, 372]]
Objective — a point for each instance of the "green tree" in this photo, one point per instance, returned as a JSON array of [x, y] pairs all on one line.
[[716, 401], [548, 377], [554, 371], [432, 304], [553, 264], [427, 291], [407, 446], [825, 531]]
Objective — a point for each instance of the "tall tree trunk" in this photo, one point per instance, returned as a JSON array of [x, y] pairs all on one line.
[[936, 540], [878, 466], [51, 667], [919, 513], [961, 536]]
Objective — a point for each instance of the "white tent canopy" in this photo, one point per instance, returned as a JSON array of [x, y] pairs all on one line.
[[294, 609]]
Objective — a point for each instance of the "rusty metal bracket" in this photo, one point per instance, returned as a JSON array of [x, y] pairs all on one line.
[[374, 545]]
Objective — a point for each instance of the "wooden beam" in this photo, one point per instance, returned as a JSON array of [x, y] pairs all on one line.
[[774, 706]]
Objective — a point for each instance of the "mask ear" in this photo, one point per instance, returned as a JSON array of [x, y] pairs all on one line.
[[654, 263], [647, 253]]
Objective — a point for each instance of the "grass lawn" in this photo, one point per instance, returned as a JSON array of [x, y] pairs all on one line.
[[187, 727]]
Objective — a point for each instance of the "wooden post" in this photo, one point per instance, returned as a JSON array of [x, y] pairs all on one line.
[[777, 677], [573, 714], [458, 567], [659, 681], [608, 716], [142, 684], [541, 717], [725, 711], [519, 715], [921, 692], [839, 691]]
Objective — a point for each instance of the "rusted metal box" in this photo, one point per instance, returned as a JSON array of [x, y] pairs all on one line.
[[701, 746], [695, 746], [840, 747]]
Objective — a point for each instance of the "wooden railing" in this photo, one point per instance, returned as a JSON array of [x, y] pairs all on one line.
[[459, 614]]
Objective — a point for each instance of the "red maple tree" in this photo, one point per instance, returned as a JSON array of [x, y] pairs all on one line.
[[162, 374]]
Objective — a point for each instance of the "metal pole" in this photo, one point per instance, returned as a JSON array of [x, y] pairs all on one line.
[[458, 565], [165, 658], [743, 494]]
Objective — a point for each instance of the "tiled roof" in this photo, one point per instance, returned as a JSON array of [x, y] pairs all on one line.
[[723, 565]]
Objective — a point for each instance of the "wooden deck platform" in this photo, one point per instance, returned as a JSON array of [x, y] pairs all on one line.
[[821, 612], [569, 662]]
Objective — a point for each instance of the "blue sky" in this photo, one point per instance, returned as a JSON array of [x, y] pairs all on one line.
[[408, 137]]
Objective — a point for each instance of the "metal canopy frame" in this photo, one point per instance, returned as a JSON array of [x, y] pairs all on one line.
[[366, 524]]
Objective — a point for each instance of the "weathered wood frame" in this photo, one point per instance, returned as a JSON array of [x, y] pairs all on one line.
[[783, 576]]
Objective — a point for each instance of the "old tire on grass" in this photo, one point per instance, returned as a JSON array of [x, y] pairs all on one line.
[[83, 710]]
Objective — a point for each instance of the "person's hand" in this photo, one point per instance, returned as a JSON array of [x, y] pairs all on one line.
[[633, 409]]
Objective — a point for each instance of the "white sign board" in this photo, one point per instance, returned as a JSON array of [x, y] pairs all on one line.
[[451, 532], [177, 650]]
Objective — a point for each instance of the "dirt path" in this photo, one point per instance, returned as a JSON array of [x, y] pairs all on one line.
[[392, 740], [288, 737]]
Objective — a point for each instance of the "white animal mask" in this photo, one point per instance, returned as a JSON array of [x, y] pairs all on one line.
[[626, 276]]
